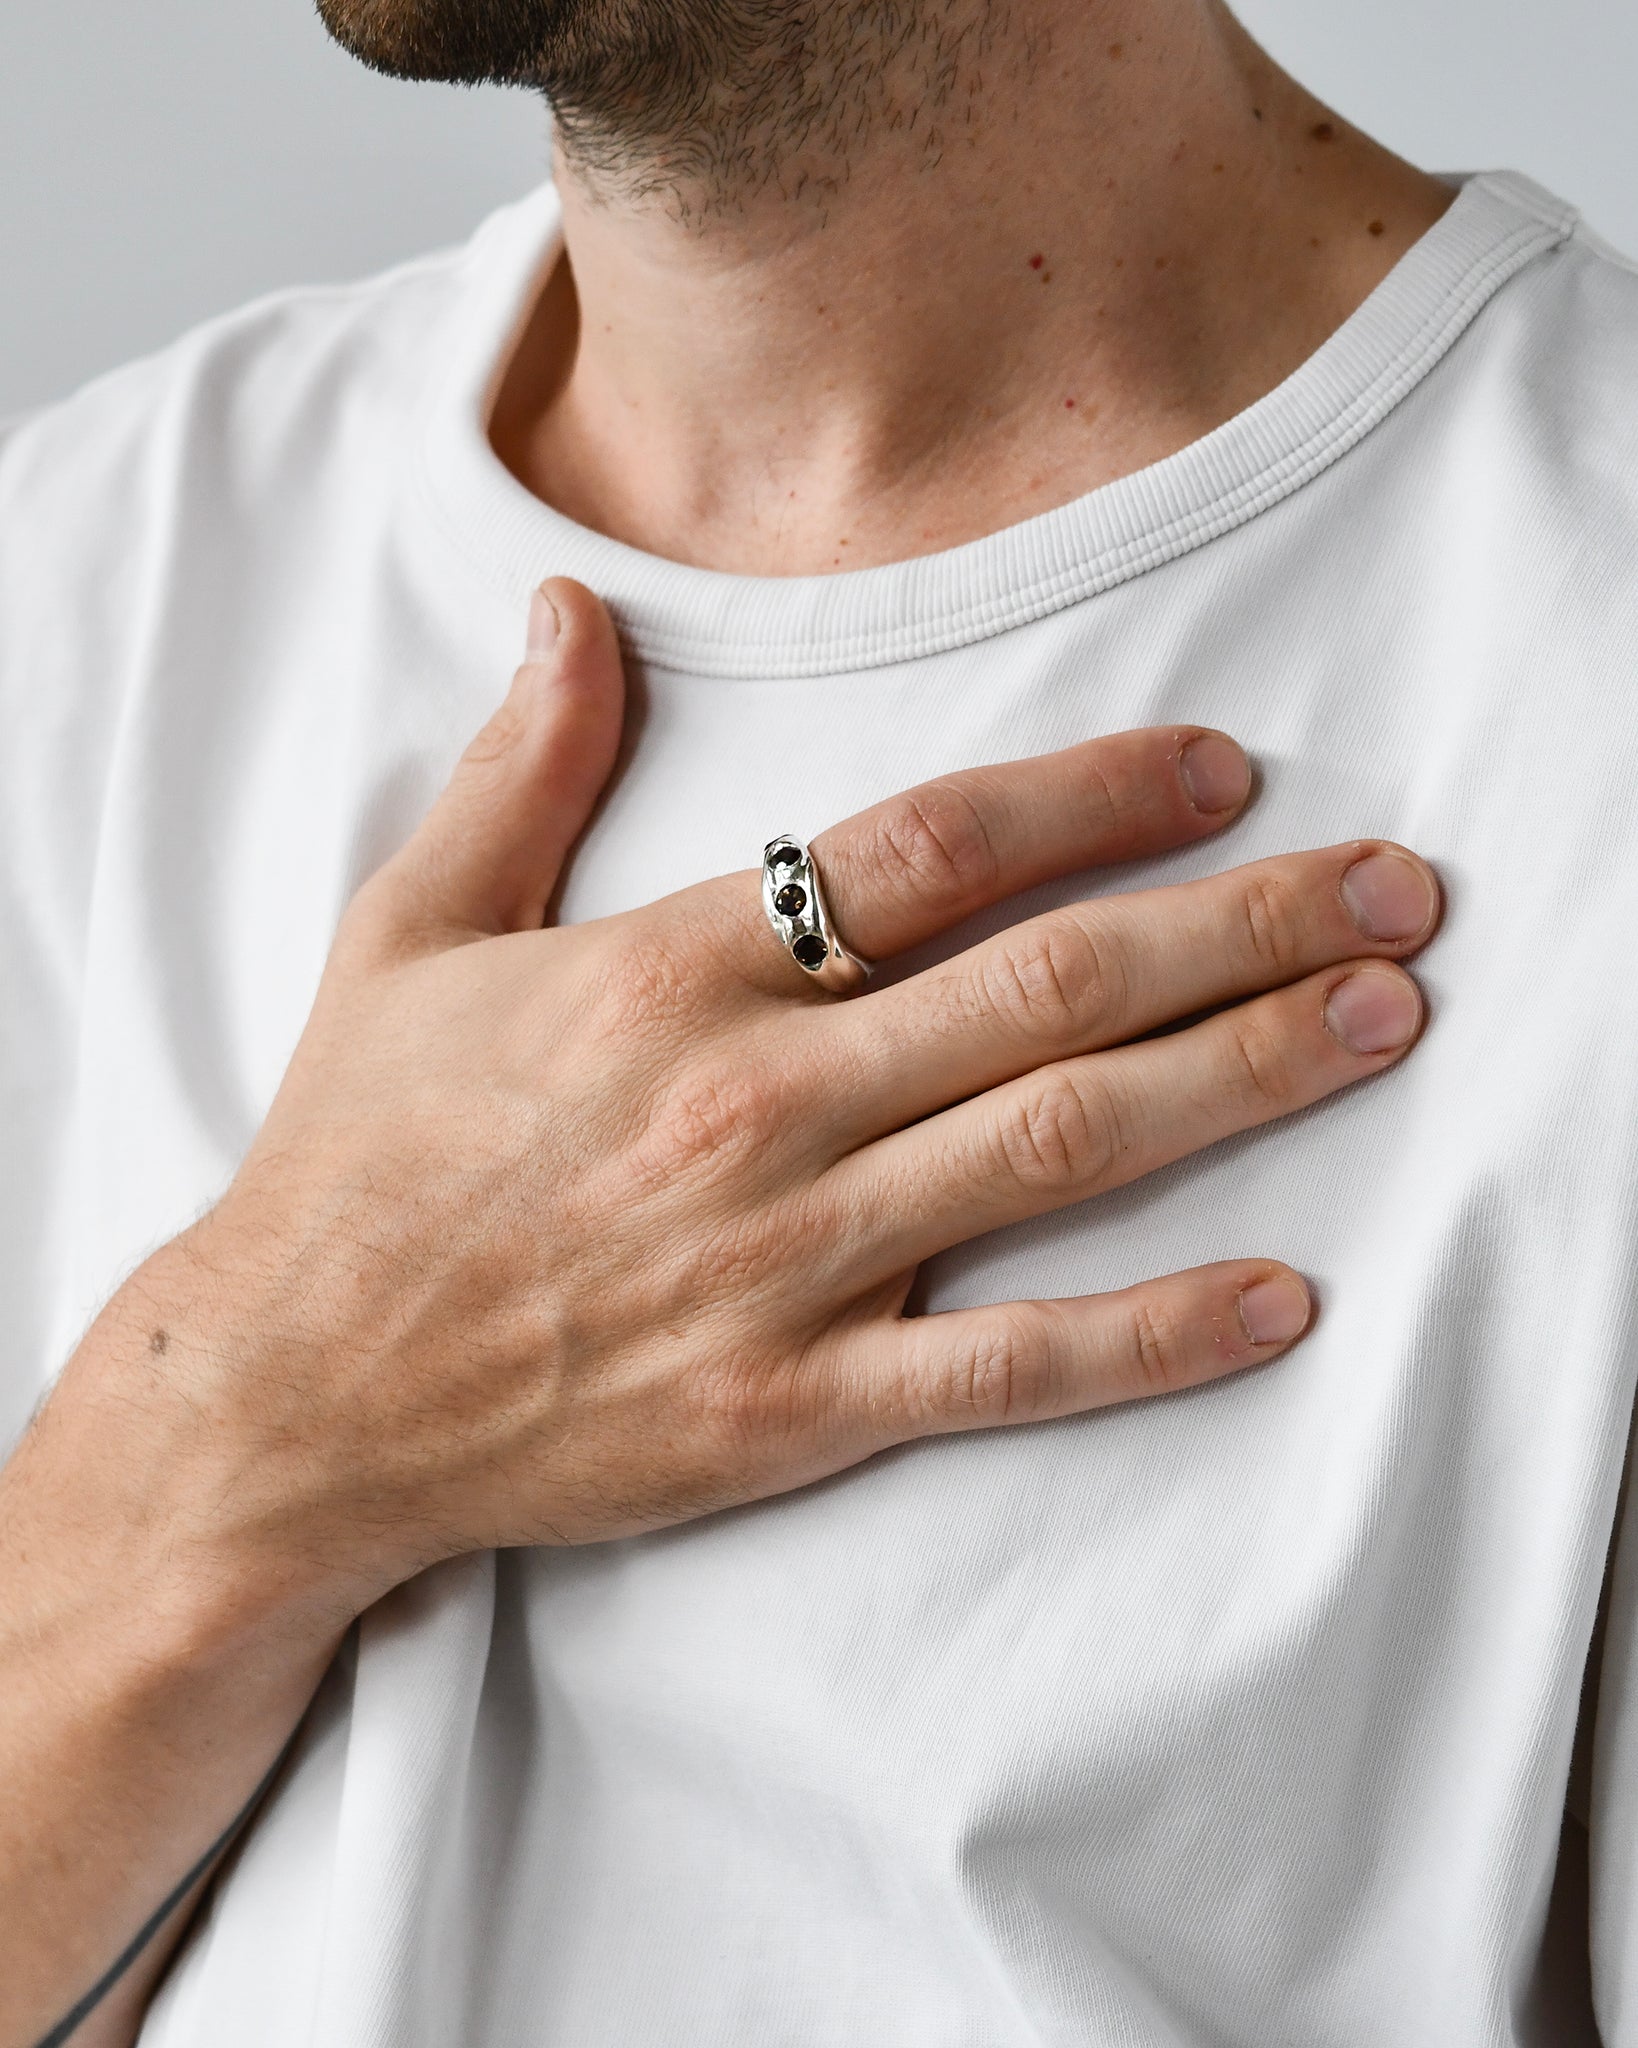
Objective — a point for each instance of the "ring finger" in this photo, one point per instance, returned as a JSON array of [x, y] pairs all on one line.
[[919, 862]]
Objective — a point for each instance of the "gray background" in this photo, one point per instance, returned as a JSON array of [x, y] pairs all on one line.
[[163, 159]]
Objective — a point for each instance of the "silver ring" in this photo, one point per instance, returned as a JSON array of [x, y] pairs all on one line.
[[795, 904]]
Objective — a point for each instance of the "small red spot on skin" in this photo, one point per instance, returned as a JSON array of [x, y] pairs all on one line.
[[1069, 405], [1035, 262], [1375, 228], [1323, 131]]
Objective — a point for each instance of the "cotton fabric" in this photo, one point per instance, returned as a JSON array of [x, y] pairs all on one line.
[[1239, 1718]]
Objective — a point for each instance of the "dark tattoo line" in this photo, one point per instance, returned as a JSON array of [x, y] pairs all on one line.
[[61, 2032]]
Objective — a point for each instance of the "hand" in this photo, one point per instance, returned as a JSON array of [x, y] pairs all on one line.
[[560, 1234], [553, 1235]]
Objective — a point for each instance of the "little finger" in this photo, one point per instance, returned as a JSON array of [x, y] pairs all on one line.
[[1030, 1361]]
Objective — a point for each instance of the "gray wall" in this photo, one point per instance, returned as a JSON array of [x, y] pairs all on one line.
[[163, 159]]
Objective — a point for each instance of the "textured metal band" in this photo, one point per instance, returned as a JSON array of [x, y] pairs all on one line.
[[795, 903]]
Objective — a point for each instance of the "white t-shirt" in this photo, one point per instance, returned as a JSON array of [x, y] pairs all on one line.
[[1230, 1720]]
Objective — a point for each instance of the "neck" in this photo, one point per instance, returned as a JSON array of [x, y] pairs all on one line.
[[1106, 227]]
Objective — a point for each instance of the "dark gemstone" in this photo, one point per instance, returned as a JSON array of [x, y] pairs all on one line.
[[791, 901], [785, 856], [810, 950]]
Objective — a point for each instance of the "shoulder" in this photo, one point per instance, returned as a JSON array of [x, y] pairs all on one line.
[[1575, 427], [158, 517], [1556, 361], [1522, 448], [259, 440], [1591, 299]]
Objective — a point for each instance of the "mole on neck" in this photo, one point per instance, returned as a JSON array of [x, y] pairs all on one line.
[[920, 284]]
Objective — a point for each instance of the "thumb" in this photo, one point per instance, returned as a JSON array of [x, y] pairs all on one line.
[[492, 848]]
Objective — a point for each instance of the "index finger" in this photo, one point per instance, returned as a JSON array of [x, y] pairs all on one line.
[[911, 867]]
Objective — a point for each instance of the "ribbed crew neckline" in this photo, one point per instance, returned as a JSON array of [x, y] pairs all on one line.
[[706, 623]]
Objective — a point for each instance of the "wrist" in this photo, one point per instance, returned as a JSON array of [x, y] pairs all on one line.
[[149, 1492], [155, 1665], [109, 1590]]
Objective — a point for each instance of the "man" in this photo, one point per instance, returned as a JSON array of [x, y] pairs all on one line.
[[931, 390]]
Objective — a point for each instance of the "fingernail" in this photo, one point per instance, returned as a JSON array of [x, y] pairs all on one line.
[[1388, 896], [1373, 1011], [543, 624], [1274, 1311], [1216, 774]]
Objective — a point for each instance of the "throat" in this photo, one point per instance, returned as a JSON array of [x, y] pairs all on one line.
[[1123, 229]]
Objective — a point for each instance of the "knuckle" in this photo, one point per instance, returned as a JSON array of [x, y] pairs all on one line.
[[1271, 919], [497, 738], [990, 1375], [708, 1118], [1014, 1367], [1055, 1138], [1159, 1349], [1052, 978], [1262, 1076], [712, 1280], [936, 843], [762, 1405], [1100, 799], [645, 980], [704, 933], [725, 1399]]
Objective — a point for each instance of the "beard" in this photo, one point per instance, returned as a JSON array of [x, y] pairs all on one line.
[[704, 102]]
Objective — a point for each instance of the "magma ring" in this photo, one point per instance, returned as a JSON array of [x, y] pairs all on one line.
[[794, 899]]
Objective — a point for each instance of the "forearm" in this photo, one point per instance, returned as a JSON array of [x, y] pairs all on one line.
[[151, 1684]]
